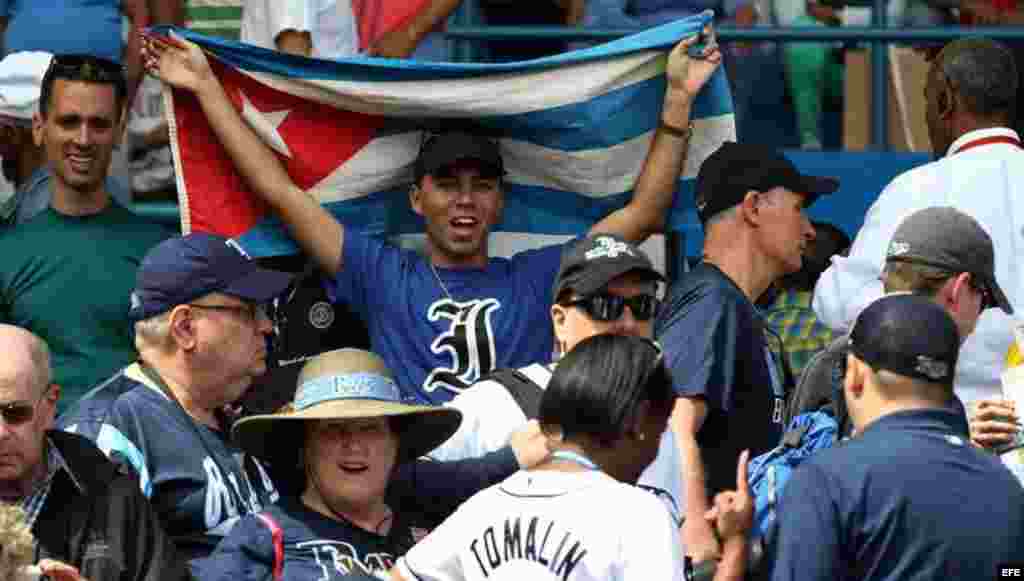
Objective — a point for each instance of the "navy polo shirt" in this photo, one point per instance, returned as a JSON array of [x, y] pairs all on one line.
[[715, 348], [908, 499]]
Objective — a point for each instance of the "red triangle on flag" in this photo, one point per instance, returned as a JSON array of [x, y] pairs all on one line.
[[317, 139]]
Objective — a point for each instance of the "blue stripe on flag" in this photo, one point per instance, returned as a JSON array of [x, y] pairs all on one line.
[[607, 119], [257, 59]]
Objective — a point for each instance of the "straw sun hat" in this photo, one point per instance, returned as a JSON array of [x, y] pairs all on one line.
[[345, 384]]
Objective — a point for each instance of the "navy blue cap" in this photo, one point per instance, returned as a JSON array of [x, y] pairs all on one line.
[[734, 169], [184, 268], [908, 335]]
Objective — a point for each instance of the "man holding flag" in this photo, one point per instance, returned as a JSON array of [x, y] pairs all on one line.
[[445, 319]]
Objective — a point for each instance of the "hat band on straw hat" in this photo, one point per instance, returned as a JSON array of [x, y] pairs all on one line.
[[348, 386]]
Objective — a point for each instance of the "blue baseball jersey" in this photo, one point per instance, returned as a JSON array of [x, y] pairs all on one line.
[[315, 547], [198, 482], [438, 345]]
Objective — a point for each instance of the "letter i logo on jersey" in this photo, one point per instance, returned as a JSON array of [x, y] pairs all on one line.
[[469, 341]]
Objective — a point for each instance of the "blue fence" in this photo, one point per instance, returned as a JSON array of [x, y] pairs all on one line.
[[878, 35]]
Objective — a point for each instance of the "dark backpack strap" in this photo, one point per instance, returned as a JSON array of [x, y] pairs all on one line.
[[523, 390], [278, 538]]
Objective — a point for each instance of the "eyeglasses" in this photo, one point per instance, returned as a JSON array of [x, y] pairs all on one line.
[[253, 312], [607, 308], [19, 412]]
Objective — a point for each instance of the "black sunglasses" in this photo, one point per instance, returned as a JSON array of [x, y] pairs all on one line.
[[19, 412], [606, 307]]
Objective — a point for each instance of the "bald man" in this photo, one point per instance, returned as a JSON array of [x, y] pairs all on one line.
[[81, 509]]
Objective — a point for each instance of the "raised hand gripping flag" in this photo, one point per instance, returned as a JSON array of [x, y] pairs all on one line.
[[574, 130]]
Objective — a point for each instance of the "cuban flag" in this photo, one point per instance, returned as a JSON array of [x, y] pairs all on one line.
[[574, 130]]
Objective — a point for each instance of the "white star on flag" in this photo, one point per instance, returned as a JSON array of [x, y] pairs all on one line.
[[265, 125]]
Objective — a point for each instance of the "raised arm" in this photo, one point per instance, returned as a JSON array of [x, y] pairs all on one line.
[[646, 213], [183, 65], [137, 11]]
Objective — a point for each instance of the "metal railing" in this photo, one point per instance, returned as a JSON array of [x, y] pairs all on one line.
[[877, 34]]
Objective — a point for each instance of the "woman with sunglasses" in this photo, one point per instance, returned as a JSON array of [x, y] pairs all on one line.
[[577, 516]]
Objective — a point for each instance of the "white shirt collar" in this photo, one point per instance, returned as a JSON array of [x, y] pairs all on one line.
[[980, 134]]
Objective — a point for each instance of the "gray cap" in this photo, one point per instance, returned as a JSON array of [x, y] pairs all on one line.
[[946, 238]]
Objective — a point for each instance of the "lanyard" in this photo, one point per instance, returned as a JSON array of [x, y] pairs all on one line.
[[988, 141], [574, 457], [237, 494]]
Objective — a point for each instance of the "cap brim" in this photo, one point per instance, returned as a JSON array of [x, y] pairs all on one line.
[[488, 167], [259, 286], [813, 186], [270, 436], [592, 279], [999, 296]]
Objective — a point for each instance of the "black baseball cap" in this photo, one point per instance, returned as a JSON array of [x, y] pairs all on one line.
[[445, 149], [908, 335], [184, 268], [591, 263], [946, 238], [734, 169]]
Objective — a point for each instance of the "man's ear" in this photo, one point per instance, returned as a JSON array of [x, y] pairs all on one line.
[[415, 199], [558, 318], [51, 396], [946, 100], [853, 382], [183, 327], [558, 314], [750, 209], [37, 129], [953, 292]]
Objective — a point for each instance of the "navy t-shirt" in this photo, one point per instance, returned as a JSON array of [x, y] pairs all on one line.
[[909, 499], [715, 347], [438, 345], [315, 547]]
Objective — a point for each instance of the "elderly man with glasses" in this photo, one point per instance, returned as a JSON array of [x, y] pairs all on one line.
[[202, 332], [88, 517]]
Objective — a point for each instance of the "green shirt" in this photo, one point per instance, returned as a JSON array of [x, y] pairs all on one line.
[[221, 18], [69, 279], [801, 332]]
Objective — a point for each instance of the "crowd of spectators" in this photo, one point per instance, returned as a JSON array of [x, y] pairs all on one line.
[[158, 420]]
